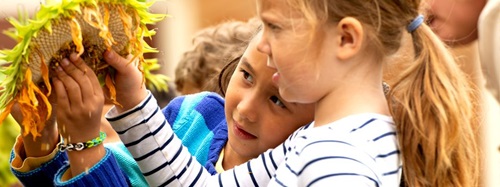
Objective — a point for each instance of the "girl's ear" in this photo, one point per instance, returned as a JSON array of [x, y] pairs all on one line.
[[350, 38]]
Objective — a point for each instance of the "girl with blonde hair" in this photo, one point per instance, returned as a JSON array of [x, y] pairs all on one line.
[[332, 53]]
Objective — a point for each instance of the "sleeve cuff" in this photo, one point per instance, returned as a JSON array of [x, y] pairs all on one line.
[[30, 163], [132, 116], [105, 173]]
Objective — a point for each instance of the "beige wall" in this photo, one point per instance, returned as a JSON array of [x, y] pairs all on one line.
[[188, 16]]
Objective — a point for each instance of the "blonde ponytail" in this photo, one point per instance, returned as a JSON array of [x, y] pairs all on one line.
[[433, 103], [435, 111]]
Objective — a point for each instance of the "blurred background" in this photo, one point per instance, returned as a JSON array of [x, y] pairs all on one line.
[[173, 37]]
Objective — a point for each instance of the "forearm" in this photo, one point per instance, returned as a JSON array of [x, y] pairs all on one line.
[[145, 141], [164, 160], [91, 152], [42, 145]]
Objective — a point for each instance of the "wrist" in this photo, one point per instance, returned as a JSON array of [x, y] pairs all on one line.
[[127, 103], [79, 136], [41, 145], [72, 133], [83, 145], [84, 155], [82, 161]]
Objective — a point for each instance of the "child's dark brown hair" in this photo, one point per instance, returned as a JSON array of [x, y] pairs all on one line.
[[219, 83]]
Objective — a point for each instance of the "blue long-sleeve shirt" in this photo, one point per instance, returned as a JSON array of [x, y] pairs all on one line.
[[199, 121], [117, 168]]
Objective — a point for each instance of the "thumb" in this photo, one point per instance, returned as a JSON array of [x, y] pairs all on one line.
[[116, 61]]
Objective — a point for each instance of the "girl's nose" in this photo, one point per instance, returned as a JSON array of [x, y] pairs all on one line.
[[263, 46], [270, 62], [247, 108]]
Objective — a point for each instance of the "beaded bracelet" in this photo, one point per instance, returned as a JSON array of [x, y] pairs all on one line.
[[81, 145]]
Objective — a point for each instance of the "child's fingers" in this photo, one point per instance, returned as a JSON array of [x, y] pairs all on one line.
[[92, 77], [116, 61], [71, 67], [70, 86], [78, 70], [61, 95], [78, 62]]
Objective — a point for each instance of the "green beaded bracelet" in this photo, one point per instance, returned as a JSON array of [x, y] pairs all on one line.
[[82, 145]]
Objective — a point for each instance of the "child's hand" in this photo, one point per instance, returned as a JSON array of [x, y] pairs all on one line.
[[129, 84], [79, 100]]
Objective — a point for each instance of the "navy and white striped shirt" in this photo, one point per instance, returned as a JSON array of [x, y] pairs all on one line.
[[359, 150]]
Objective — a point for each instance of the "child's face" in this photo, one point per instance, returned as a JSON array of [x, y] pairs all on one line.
[[257, 117], [301, 61], [454, 21]]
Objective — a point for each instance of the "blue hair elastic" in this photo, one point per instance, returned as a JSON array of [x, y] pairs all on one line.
[[415, 23]]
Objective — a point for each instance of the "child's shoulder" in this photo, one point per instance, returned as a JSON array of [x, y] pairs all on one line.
[[360, 122], [370, 134], [355, 130], [187, 110], [193, 101]]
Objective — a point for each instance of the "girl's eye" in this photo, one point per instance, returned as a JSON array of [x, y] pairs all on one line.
[[272, 26], [247, 76], [277, 101]]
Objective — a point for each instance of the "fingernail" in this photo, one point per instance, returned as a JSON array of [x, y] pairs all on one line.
[[64, 62], [73, 56], [58, 68], [109, 54]]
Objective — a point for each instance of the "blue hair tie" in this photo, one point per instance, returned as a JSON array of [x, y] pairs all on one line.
[[415, 23]]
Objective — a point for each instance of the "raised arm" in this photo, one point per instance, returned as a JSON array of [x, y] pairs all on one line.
[[164, 161], [43, 161], [155, 147], [80, 102]]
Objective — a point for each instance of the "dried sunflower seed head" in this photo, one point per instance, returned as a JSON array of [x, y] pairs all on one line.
[[87, 27]]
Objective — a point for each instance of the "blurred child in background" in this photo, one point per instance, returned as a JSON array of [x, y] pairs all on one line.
[[213, 48], [472, 29]]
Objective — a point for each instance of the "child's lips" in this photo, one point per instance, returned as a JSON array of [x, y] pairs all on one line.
[[276, 78], [238, 131]]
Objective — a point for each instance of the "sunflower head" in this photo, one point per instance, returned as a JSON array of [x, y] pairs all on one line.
[[87, 27]]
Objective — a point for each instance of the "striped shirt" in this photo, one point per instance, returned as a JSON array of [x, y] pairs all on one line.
[[358, 150]]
